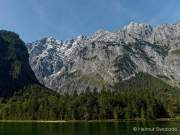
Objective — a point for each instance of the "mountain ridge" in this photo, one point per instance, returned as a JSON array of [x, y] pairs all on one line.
[[113, 56]]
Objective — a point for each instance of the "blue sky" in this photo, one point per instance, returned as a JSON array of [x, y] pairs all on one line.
[[64, 19]]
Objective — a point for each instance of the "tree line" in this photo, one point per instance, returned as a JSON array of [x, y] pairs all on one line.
[[91, 105]]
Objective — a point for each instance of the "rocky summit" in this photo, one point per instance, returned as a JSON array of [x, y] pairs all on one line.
[[106, 58]]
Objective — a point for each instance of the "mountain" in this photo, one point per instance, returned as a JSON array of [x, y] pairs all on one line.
[[15, 72], [79, 65], [107, 58]]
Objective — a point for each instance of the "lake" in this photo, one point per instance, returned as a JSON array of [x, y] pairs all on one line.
[[94, 128]]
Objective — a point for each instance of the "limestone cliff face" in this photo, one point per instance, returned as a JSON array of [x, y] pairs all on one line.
[[107, 57]]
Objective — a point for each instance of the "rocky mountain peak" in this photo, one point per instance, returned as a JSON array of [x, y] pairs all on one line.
[[104, 35], [167, 35], [50, 40], [81, 37], [138, 31], [132, 26]]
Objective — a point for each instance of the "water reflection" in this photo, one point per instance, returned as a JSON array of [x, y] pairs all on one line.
[[84, 128]]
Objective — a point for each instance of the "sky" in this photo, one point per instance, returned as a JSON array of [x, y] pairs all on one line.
[[65, 19]]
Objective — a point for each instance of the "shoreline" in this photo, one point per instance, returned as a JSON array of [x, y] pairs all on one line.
[[90, 121]]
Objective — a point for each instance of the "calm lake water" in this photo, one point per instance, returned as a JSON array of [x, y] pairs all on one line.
[[103, 128]]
